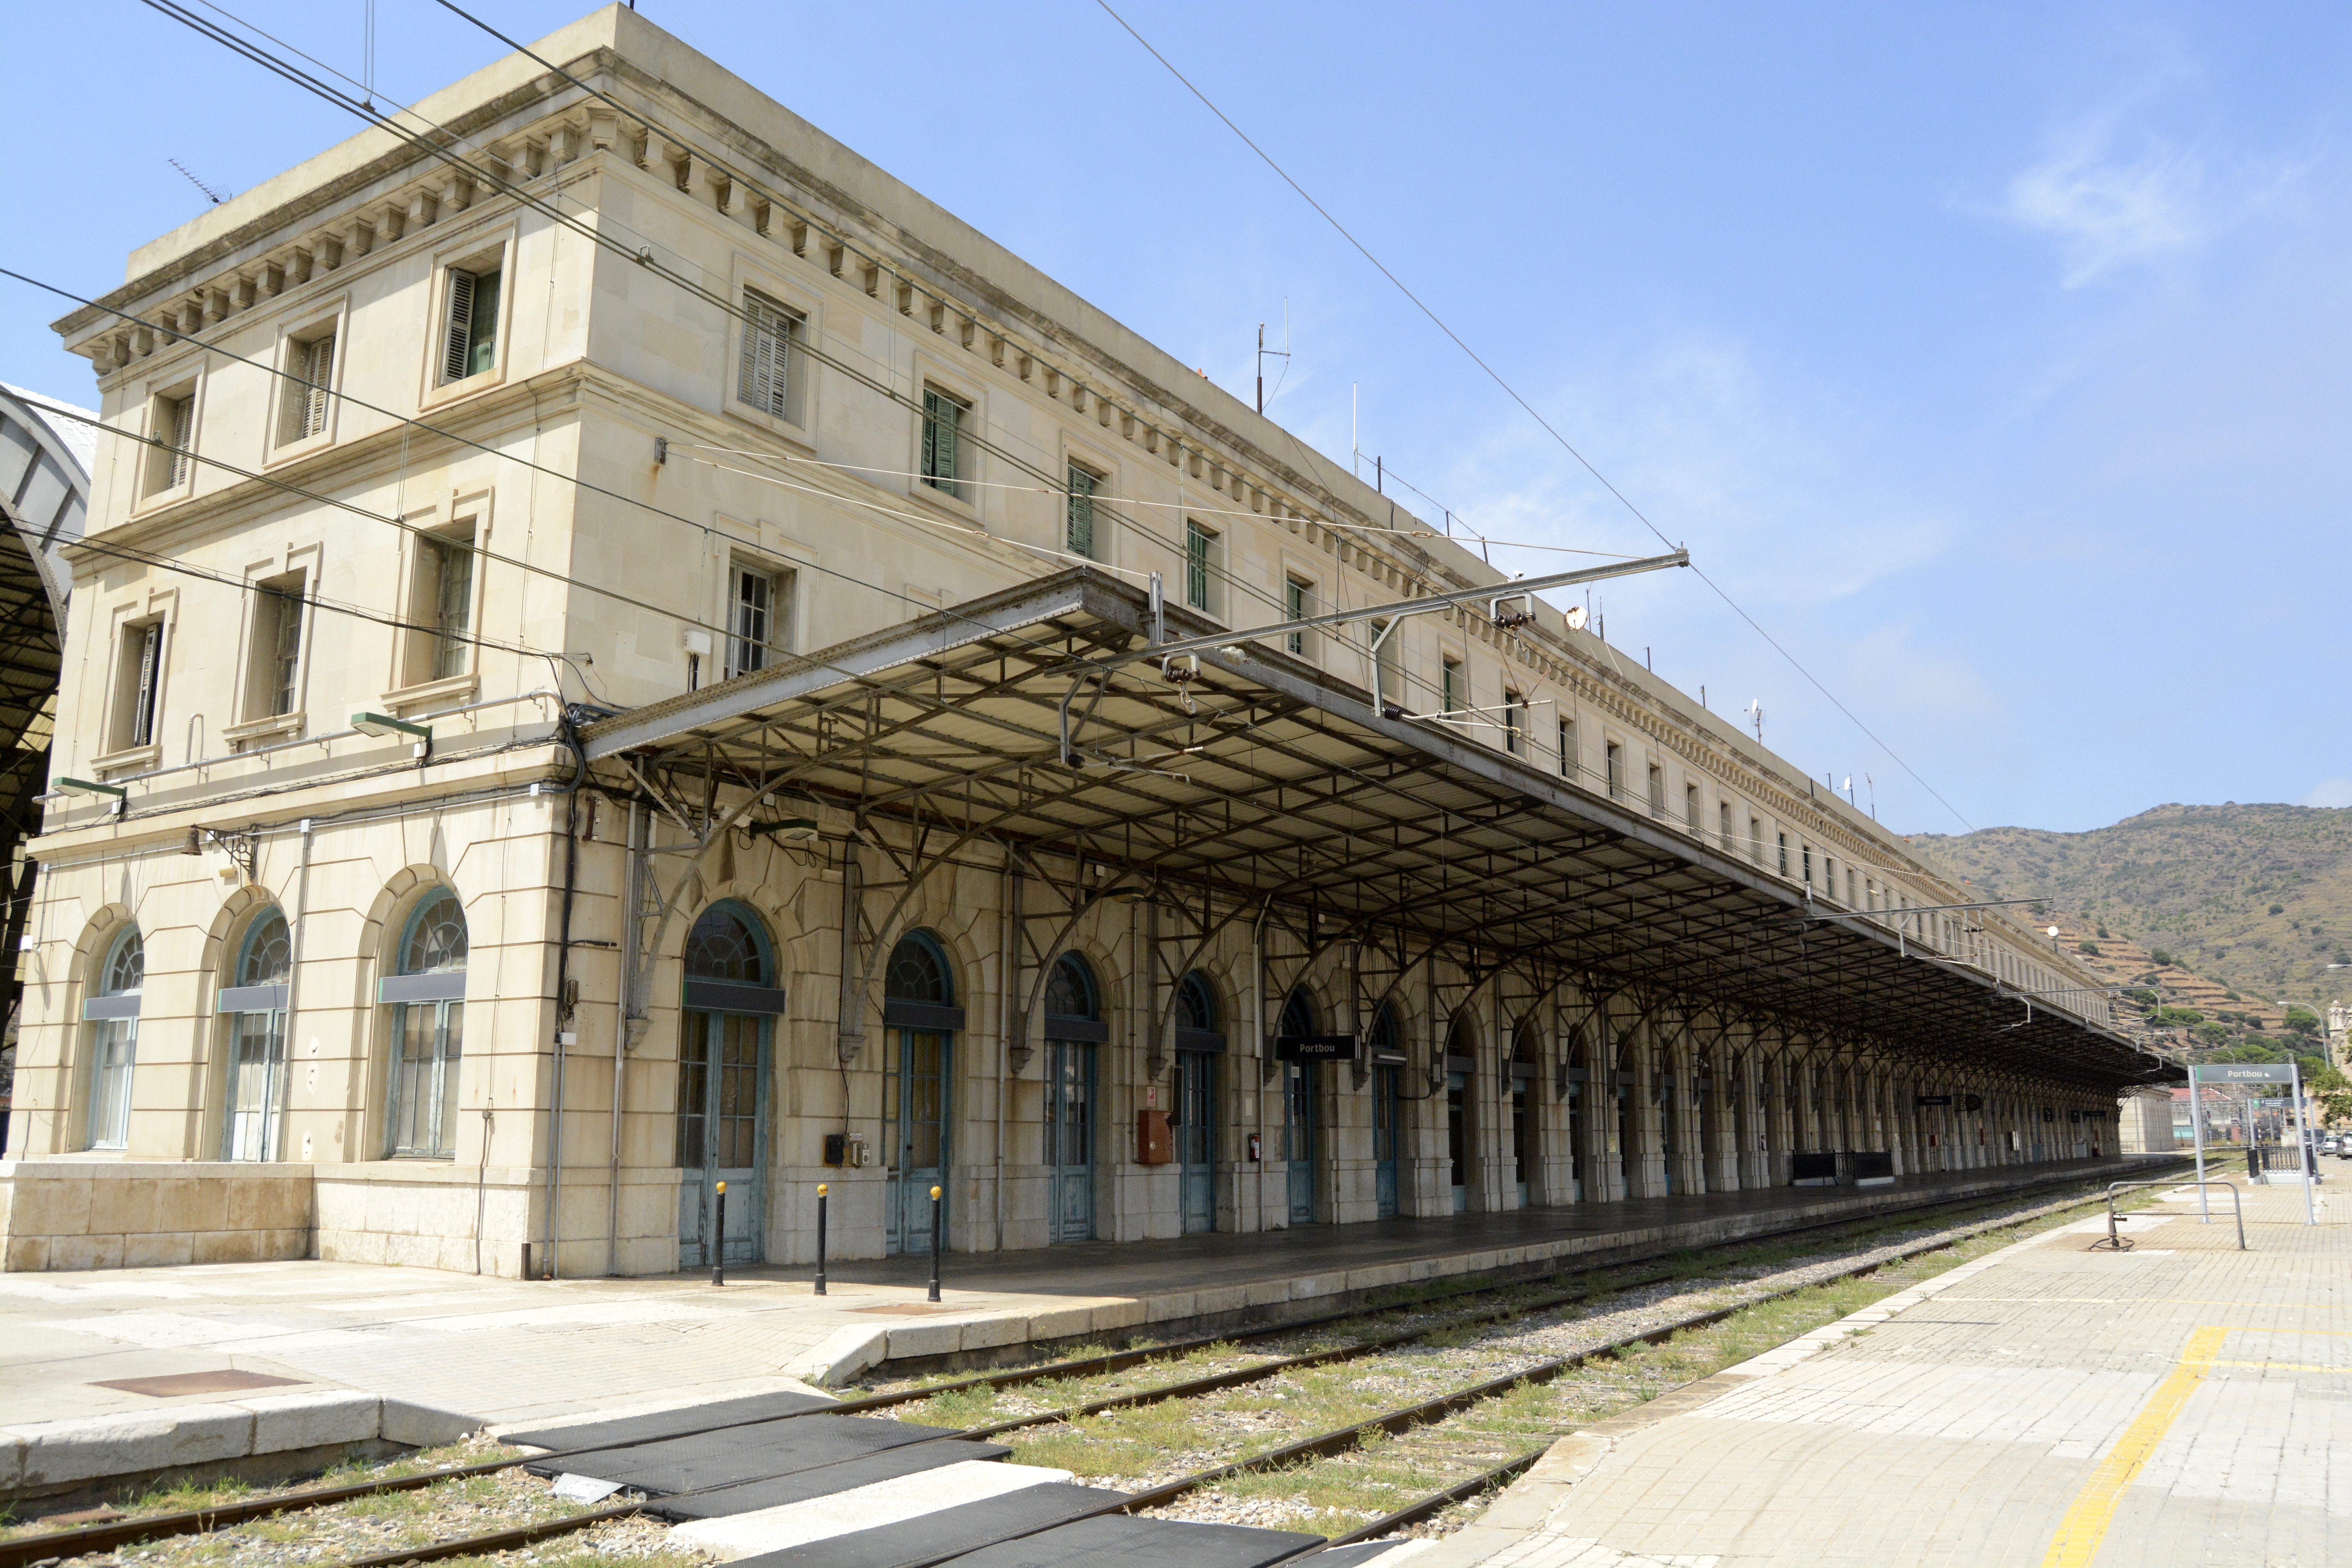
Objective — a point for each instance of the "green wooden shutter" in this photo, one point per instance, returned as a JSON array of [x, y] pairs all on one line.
[[458, 345], [1081, 512]]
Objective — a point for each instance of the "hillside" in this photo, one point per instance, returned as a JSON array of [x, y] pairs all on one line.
[[2255, 900]]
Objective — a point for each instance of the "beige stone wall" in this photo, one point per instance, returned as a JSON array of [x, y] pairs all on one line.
[[87, 1213]]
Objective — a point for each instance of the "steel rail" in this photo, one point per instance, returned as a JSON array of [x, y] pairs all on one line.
[[27, 1550]]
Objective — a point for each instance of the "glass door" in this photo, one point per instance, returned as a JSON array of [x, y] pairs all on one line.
[[914, 1136], [1457, 1137], [256, 1077], [1522, 1151], [1069, 1140], [1298, 1138], [721, 1130], [1196, 1139], [1385, 1106]]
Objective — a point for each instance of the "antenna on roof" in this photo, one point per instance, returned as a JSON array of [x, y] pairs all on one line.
[[216, 195]]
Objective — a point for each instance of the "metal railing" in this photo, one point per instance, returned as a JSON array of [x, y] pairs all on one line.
[[2116, 1242]]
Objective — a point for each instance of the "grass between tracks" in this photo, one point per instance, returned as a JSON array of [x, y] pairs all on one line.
[[1384, 1473]]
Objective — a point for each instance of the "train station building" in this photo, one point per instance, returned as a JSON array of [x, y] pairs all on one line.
[[617, 649]]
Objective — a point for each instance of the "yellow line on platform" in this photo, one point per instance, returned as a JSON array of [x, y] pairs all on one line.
[[2084, 1529]]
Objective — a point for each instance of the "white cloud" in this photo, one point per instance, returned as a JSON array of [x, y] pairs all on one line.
[[2329, 792], [2109, 213]]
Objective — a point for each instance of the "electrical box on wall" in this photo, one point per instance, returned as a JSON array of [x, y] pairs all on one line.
[[843, 1149], [1154, 1144]]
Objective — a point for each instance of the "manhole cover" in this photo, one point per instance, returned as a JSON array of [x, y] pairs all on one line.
[[227, 1380]]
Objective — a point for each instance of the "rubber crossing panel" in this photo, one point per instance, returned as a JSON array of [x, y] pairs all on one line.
[[1120, 1540], [758, 1452], [1350, 1557], [776, 1491], [660, 1424], [961, 1529]]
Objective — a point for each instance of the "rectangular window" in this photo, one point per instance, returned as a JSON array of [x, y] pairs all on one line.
[[139, 684], [1690, 809], [1657, 791], [1514, 711], [1781, 840], [1200, 563], [1567, 748], [1080, 536], [176, 438], [444, 601], [758, 602], [1450, 692], [1722, 824], [768, 378], [1614, 754], [1297, 604], [1756, 840], [1805, 853], [113, 1050], [312, 366], [469, 339], [943, 419], [277, 648]]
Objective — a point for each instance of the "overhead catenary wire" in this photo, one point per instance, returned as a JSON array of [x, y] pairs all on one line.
[[1511, 392], [644, 256]]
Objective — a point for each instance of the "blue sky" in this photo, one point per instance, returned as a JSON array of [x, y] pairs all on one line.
[[1997, 359]]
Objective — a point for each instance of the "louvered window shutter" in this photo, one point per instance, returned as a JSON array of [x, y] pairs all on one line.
[[931, 437], [184, 432], [461, 326], [763, 380], [317, 369], [1081, 512]]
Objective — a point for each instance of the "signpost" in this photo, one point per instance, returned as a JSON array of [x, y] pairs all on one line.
[[2287, 1073]]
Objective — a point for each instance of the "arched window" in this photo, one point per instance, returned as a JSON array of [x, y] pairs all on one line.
[[919, 971], [1524, 1048], [1386, 1038], [1196, 1006], [1070, 992], [1297, 1015], [429, 1027], [727, 945], [253, 1011], [113, 1016]]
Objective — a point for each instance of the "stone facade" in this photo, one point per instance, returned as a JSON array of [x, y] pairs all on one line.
[[606, 496]]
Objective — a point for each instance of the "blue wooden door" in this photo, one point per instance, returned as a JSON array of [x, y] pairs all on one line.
[[1298, 1138], [1069, 1141], [1196, 1139], [914, 1136], [1384, 1141]]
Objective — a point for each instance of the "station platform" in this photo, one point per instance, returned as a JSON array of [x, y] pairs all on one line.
[[133, 1361], [2045, 1406]]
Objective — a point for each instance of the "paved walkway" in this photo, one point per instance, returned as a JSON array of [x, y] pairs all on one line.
[[2047, 1406], [509, 1351]]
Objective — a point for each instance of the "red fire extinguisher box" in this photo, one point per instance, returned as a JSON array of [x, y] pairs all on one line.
[[1154, 1144]]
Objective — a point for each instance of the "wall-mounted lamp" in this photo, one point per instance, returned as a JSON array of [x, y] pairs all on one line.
[[113, 794], [383, 727]]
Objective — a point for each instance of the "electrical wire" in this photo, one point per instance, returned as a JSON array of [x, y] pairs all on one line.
[[598, 235], [1527, 407]]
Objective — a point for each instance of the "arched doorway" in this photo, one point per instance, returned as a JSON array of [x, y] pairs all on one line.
[[253, 1103], [1300, 1111], [725, 1037], [1524, 1056], [1074, 1028], [920, 1017], [1461, 1108], [112, 1014], [1198, 1043], [428, 1029], [1385, 1049]]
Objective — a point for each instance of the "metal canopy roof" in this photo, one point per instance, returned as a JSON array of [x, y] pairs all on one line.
[[1268, 776]]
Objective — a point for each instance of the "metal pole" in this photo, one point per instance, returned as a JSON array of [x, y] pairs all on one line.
[[2303, 1160], [935, 1243], [719, 1239], [820, 1238], [2197, 1131]]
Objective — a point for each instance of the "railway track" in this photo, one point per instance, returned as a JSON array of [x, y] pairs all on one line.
[[1449, 1436]]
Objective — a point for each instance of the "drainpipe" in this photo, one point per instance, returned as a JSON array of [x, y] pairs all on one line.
[[628, 949], [281, 1090], [562, 1018], [1258, 1042]]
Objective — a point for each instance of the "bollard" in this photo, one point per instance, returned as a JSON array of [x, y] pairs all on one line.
[[820, 1238], [719, 1239], [935, 1243]]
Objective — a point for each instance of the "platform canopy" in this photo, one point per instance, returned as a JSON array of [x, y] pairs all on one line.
[[1268, 776]]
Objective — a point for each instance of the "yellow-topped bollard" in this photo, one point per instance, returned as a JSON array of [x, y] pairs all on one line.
[[719, 1237], [818, 1285], [937, 1192]]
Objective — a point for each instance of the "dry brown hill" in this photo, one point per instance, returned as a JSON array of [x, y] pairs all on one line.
[[2252, 899]]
